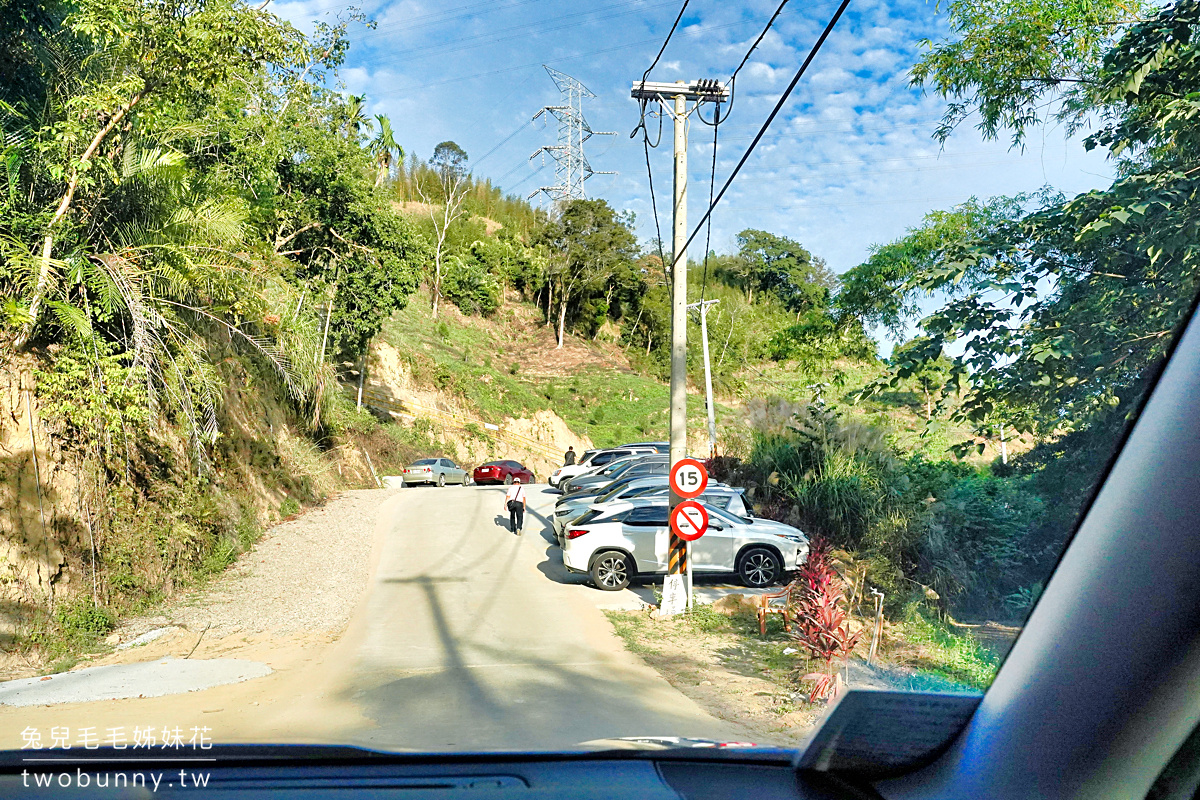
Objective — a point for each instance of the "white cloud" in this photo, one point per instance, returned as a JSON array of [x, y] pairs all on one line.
[[849, 162]]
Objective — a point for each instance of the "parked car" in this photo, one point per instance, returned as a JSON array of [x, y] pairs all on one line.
[[659, 447], [434, 470], [625, 540], [593, 459], [607, 469], [637, 465], [636, 491], [502, 472]]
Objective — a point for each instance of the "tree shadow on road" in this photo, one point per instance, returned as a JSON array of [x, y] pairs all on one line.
[[502, 697]]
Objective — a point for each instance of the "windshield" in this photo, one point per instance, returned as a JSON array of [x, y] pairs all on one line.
[[257, 260]]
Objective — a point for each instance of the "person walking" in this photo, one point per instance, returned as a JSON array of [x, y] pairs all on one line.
[[569, 456], [514, 501]]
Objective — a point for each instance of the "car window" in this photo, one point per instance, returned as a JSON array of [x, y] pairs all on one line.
[[601, 458], [716, 500], [424, 462], [648, 515]]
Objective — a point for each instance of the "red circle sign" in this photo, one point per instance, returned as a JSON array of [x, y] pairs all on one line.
[[689, 478], [689, 520]]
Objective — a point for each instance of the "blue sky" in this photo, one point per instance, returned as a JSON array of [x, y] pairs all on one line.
[[849, 162]]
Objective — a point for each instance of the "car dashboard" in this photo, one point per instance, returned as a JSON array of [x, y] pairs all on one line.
[[338, 772]]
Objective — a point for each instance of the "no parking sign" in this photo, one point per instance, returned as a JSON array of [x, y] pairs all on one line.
[[689, 520]]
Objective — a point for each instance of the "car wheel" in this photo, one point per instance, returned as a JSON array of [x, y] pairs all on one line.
[[508, 480], [759, 567], [442, 479], [404, 485], [611, 571]]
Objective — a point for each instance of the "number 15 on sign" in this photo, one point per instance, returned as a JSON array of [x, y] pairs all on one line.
[[689, 478]]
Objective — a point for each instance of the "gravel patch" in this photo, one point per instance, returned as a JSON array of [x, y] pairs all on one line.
[[120, 681], [304, 575]]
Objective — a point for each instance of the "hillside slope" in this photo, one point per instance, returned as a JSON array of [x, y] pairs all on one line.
[[508, 368]]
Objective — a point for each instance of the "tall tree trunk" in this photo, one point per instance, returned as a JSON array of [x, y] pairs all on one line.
[[362, 375], [549, 301], [64, 205], [437, 280], [562, 318], [328, 316]]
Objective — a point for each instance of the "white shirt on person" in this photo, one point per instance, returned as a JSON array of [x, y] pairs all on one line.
[[515, 492]]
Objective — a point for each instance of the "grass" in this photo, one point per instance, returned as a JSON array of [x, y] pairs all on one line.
[[943, 658], [633, 630], [609, 406], [76, 627]]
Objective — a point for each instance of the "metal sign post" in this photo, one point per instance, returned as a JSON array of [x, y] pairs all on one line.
[[689, 521]]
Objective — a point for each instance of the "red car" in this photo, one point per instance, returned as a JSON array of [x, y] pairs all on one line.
[[501, 472]]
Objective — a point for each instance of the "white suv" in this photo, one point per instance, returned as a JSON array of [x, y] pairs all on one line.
[[596, 460], [623, 540]]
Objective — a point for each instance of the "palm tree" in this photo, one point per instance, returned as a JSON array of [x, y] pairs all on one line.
[[384, 148], [356, 120], [173, 270]]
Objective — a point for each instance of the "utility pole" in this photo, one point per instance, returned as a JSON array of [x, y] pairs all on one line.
[[674, 99], [704, 306]]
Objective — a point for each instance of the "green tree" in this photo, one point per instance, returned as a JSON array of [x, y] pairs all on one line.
[[922, 361], [1018, 63], [589, 246], [776, 264], [155, 56]]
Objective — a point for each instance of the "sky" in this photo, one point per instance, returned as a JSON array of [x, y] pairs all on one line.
[[849, 162]]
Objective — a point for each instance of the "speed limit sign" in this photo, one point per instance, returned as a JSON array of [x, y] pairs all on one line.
[[689, 478]]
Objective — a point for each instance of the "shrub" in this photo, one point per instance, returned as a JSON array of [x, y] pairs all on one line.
[[822, 629], [976, 551], [81, 623], [468, 285]]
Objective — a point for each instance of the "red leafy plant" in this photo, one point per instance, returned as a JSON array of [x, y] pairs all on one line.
[[821, 624]]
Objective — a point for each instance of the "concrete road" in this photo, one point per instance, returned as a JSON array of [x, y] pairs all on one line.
[[478, 639]]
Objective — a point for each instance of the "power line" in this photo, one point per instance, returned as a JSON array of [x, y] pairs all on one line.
[[774, 112], [666, 41], [505, 141], [690, 32], [732, 82], [712, 180], [662, 259], [522, 31]]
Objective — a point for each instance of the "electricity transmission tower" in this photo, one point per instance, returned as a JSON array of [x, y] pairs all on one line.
[[571, 167]]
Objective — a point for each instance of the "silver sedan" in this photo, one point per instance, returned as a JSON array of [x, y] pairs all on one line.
[[434, 470]]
